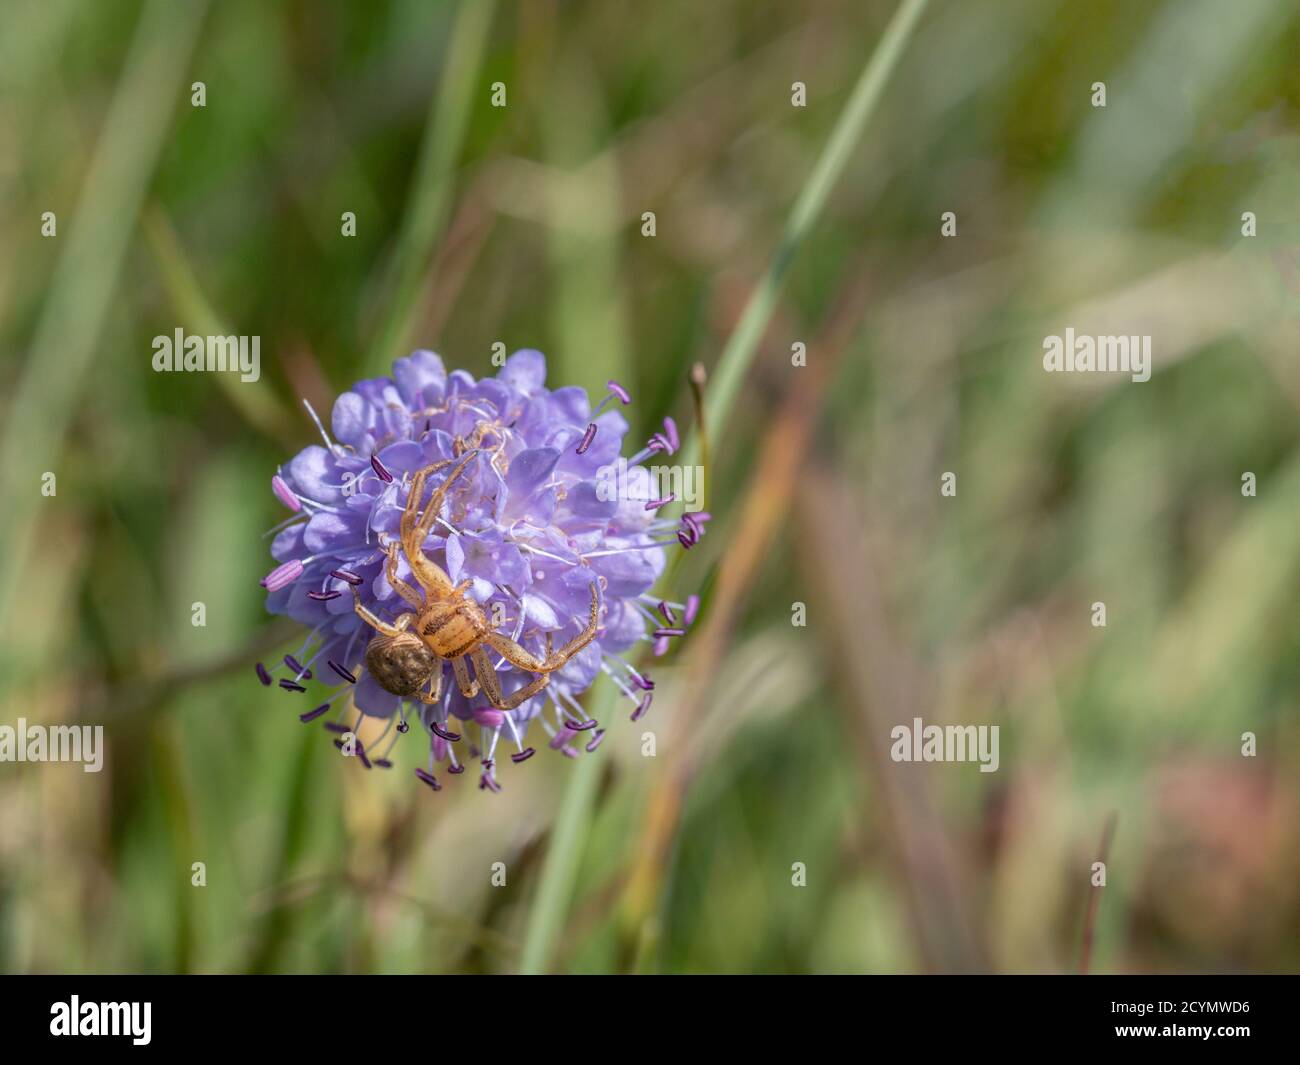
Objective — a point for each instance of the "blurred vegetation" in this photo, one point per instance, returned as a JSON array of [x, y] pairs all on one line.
[[522, 225]]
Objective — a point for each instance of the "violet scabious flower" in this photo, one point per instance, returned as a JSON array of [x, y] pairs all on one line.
[[525, 524]]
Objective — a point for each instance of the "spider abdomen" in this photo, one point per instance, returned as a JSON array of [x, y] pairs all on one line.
[[400, 664], [452, 629]]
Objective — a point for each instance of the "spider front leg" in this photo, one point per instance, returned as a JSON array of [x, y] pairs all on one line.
[[411, 513], [379, 624], [395, 582], [492, 683], [415, 530], [524, 659]]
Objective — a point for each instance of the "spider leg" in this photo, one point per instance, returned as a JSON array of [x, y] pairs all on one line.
[[411, 513], [378, 623], [400, 586], [468, 688], [522, 658], [434, 695], [431, 576], [492, 683], [487, 676]]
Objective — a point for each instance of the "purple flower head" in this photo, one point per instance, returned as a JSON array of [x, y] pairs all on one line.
[[524, 531]]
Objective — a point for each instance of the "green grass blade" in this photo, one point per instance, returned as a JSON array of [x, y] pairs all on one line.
[[573, 818], [430, 197], [568, 836], [98, 235], [734, 362]]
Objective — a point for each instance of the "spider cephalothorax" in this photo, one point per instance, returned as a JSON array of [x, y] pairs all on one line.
[[445, 623]]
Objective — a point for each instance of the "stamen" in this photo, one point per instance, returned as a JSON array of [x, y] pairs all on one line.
[[669, 632], [661, 646], [323, 597], [580, 726], [312, 715], [561, 738], [383, 763], [670, 431], [290, 686], [667, 612], [403, 727], [643, 706], [324, 435], [458, 769], [297, 667], [438, 730], [655, 504], [587, 438], [692, 608], [285, 494], [346, 575], [345, 674], [282, 576], [618, 390], [596, 738], [489, 718], [361, 753], [263, 675], [334, 726], [380, 470], [428, 778], [523, 755]]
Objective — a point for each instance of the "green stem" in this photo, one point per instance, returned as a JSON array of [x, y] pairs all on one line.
[[430, 197], [733, 363], [560, 868], [574, 815]]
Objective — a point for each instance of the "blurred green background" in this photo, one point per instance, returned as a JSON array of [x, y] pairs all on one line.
[[523, 224]]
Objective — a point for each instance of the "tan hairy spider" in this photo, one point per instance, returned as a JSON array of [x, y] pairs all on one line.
[[445, 622]]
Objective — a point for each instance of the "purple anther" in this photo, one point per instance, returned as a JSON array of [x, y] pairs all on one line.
[[670, 432], [692, 608], [282, 576], [344, 673], [297, 667], [285, 494]]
